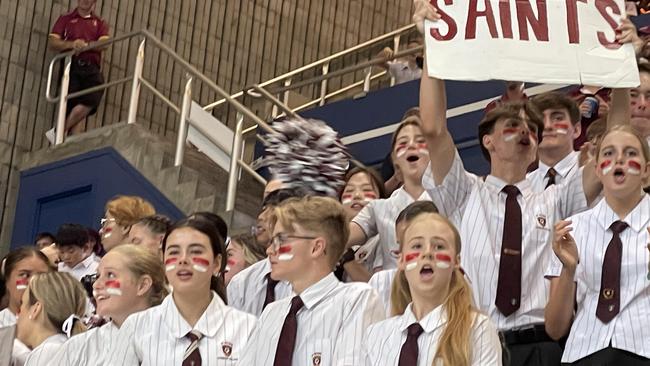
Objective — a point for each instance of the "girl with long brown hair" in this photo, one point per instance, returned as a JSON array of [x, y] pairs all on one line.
[[440, 325]]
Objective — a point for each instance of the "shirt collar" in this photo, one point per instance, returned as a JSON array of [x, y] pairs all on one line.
[[84, 264], [402, 195], [75, 13], [430, 322], [637, 219], [564, 166], [208, 324], [319, 291], [524, 186]]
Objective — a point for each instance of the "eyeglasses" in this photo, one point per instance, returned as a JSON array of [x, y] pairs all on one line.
[[281, 239], [103, 221]]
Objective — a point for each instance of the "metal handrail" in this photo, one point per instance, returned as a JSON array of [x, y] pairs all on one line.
[[139, 80], [321, 62]]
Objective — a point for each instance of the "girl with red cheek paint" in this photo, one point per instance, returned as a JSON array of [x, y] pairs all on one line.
[[194, 319], [243, 251], [595, 250], [430, 281]]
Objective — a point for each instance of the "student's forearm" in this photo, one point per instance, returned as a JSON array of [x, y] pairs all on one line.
[[357, 235], [433, 105], [619, 112], [559, 310], [356, 271], [59, 45]]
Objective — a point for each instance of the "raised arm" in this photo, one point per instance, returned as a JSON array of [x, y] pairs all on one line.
[[558, 314], [619, 112], [433, 106]]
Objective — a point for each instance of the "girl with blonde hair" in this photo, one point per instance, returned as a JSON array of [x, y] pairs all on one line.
[[130, 279], [433, 305], [50, 313]]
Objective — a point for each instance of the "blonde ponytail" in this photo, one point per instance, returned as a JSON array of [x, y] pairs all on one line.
[[61, 296]]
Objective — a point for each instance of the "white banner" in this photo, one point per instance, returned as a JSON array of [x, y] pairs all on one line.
[[543, 41]]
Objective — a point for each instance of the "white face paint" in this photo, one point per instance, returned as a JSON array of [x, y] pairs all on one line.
[[400, 152], [114, 291], [170, 264], [107, 235], [443, 265], [606, 167], [285, 257], [633, 167], [411, 266]]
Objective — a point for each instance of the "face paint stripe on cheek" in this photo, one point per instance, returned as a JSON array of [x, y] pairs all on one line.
[[561, 128], [606, 167], [634, 167], [401, 151], [346, 199], [113, 287], [411, 260], [443, 260], [170, 264], [200, 264], [510, 134], [21, 284]]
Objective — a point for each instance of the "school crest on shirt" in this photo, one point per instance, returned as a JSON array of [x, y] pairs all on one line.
[[315, 359], [541, 221], [226, 348]]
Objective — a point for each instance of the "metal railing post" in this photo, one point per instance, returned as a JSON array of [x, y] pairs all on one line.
[[135, 87], [366, 79], [233, 174], [395, 50], [63, 101], [285, 98], [182, 126], [323, 85]]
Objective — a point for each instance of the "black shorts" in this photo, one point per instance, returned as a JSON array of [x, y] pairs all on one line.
[[84, 75]]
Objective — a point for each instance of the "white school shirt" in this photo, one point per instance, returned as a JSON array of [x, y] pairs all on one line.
[[247, 289], [7, 318], [91, 347], [629, 328], [157, 336], [87, 266], [368, 254], [564, 168], [331, 325], [378, 217], [477, 208], [384, 340], [43, 353], [382, 282]]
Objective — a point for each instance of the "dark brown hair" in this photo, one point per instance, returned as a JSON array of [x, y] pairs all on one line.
[[376, 180], [557, 100]]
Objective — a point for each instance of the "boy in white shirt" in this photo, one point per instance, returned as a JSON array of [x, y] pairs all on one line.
[[325, 321], [76, 251]]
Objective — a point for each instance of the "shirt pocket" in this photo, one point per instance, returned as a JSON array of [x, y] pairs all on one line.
[[317, 353]]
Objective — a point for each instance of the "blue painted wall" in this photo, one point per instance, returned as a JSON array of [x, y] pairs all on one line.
[[75, 190]]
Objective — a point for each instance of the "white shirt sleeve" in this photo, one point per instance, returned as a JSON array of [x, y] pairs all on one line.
[[235, 292], [572, 195], [367, 219], [453, 193], [486, 345], [366, 310]]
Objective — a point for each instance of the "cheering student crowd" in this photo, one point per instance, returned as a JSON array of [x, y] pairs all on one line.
[[544, 261]]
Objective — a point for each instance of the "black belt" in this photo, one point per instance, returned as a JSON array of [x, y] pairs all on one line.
[[534, 334]]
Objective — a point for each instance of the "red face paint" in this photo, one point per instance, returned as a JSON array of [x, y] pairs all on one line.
[[231, 262], [284, 249], [200, 264], [564, 126], [346, 199], [370, 195], [170, 264]]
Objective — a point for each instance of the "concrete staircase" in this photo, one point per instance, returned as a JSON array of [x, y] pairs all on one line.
[[197, 185]]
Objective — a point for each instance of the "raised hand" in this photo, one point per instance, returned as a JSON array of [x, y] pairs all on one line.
[[626, 33], [424, 10], [564, 245]]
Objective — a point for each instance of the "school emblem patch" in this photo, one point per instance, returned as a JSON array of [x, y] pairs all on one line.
[[541, 221], [226, 348], [315, 359]]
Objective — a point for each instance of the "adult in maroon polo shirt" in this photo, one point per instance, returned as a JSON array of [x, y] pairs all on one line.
[[74, 31]]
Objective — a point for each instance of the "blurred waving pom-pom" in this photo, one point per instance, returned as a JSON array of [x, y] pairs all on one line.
[[307, 153]]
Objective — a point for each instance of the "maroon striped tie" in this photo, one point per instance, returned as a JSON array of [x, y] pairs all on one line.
[[509, 283], [192, 356], [609, 299], [287, 341], [408, 355]]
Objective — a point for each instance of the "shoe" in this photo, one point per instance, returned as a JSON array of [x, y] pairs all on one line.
[[50, 135]]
